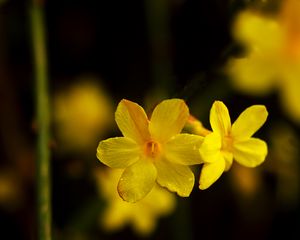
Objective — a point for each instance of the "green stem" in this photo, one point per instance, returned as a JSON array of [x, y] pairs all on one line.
[[43, 120]]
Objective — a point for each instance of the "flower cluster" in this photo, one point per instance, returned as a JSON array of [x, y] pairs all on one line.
[[272, 59], [155, 151]]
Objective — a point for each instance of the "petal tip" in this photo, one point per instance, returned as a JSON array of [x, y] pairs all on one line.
[[204, 184], [218, 103], [125, 196], [203, 187]]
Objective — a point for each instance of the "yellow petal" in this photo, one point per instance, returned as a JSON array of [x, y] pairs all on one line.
[[132, 121], [137, 181], [115, 215], [290, 90], [210, 149], [143, 221], [219, 118], [184, 149], [249, 122], [258, 31], [175, 177], [168, 119], [119, 152], [251, 152], [253, 74], [211, 172], [165, 198], [228, 157]]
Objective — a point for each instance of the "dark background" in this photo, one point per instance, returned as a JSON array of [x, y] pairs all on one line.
[[135, 48]]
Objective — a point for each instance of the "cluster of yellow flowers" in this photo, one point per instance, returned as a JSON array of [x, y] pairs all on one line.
[[155, 151], [272, 60]]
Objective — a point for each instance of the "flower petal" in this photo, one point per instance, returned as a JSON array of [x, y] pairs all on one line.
[[250, 153], [165, 198], [289, 91], [132, 121], [168, 119], [142, 220], [242, 70], [137, 181], [258, 31], [219, 118], [184, 149], [249, 122], [211, 172], [228, 157], [118, 152], [177, 178], [115, 215], [210, 149]]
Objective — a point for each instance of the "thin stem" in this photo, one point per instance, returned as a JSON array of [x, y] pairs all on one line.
[[43, 122]]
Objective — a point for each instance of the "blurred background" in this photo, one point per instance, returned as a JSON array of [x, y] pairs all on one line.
[[242, 52]]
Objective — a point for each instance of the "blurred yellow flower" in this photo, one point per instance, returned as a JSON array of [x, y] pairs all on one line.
[[152, 150], [142, 216], [245, 181], [82, 113], [11, 194], [227, 142], [272, 60]]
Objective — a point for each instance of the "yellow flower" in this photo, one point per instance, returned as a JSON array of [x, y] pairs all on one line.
[[227, 142], [81, 113], [152, 150], [272, 60], [142, 216]]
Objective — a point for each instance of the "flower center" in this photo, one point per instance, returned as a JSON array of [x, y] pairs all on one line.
[[152, 149], [227, 142]]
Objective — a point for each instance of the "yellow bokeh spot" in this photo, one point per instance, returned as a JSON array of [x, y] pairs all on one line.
[[81, 113]]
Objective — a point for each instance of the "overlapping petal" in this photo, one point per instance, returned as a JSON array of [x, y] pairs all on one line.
[[211, 172], [132, 121], [249, 122], [251, 152], [228, 157], [210, 149], [184, 149], [137, 180], [118, 152], [177, 178], [219, 118], [168, 119]]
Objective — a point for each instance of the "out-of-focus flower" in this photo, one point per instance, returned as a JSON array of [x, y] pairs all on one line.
[[246, 181], [152, 150], [10, 189], [142, 216], [272, 60], [227, 142], [82, 113]]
